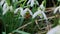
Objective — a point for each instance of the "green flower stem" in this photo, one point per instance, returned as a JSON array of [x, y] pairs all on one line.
[[24, 3], [17, 3]]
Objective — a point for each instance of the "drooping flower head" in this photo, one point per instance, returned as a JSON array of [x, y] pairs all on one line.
[[40, 13], [2, 2], [42, 6], [6, 8], [56, 9], [23, 12], [32, 2]]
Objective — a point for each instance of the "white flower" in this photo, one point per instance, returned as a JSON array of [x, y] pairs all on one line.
[[25, 11], [2, 1], [20, 9], [37, 2], [11, 8], [42, 14], [37, 13], [32, 2], [42, 6], [16, 10], [55, 30], [5, 8], [56, 9]]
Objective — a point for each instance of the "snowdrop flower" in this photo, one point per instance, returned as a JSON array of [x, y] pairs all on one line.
[[56, 9], [20, 9], [11, 8], [32, 2], [42, 6], [55, 30], [37, 13], [5, 8], [16, 10], [37, 2], [42, 14], [25, 11], [2, 1]]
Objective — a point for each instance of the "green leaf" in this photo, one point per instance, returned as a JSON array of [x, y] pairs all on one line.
[[1, 11], [58, 0], [21, 32], [59, 21], [3, 32]]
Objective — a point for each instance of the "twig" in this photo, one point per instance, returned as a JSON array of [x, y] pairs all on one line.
[[53, 3], [49, 18], [50, 9], [37, 24], [24, 25], [21, 27]]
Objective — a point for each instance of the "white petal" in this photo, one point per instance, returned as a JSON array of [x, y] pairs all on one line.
[[16, 10], [30, 12], [55, 30], [5, 8], [2, 1], [32, 3], [28, 2], [59, 9], [36, 13], [24, 12], [45, 17], [11, 8], [21, 9], [56, 9], [42, 7], [37, 3], [4, 12]]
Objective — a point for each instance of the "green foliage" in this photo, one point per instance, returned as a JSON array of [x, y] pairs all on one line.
[[13, 21], [58, 0]]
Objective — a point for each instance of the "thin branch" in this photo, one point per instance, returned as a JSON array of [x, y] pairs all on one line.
[[37, 24], [49, 17]]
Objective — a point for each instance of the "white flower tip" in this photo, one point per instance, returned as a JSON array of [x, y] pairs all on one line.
[[56, 9], [32, 3], [36, 13], [42, 7], [2, 1], [11, 8], [27, 9], [16, 10], [37, 3], [28, 2]]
